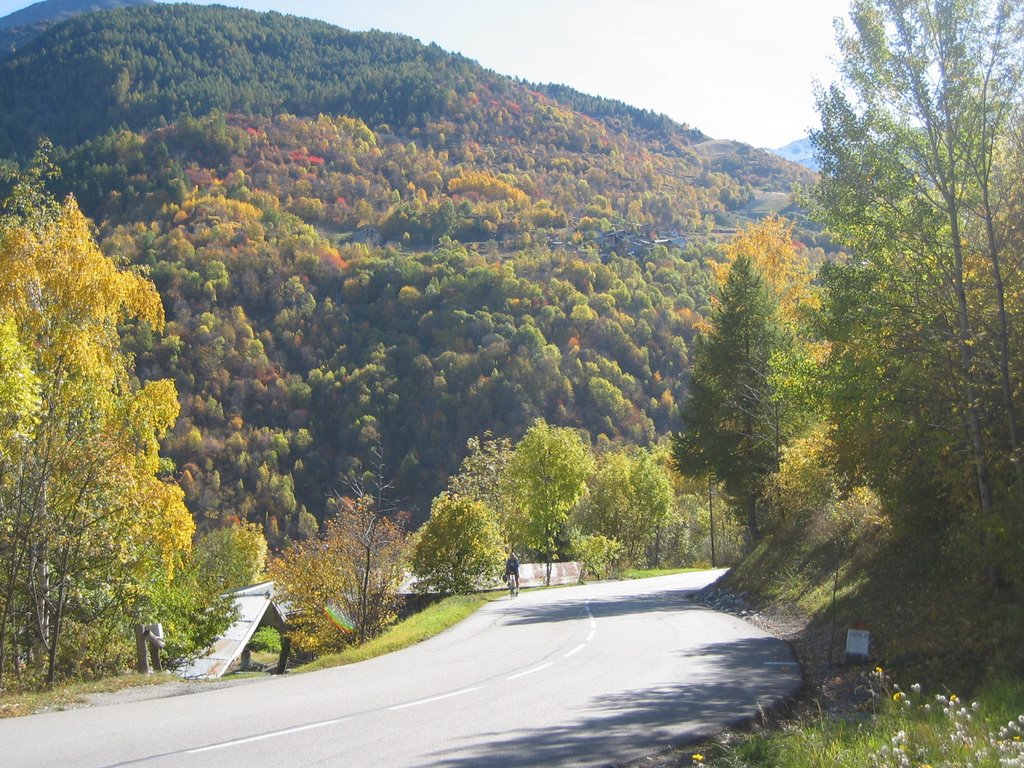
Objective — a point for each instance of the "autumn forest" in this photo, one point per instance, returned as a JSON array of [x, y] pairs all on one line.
[[337, 281]]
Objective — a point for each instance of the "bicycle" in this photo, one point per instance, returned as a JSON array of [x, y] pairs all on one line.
[[513, 585]]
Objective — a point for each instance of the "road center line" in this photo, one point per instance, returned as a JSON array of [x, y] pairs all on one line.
[[261, 737], [530, 671], [435, 698], [591, 635], [577, 649]]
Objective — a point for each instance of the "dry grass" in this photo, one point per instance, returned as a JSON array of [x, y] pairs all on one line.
[[69, 695]]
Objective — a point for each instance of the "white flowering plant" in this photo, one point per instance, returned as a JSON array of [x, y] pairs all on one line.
[[942, 731]]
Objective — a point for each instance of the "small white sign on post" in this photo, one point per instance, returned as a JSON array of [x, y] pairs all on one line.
[[857, 643]]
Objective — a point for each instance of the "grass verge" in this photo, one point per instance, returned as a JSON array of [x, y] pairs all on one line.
[[69, 694], [899, 728], [633, 573], [418, 627]]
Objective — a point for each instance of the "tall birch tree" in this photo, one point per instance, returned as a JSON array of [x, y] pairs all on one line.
[[910, 148], [85, 521]]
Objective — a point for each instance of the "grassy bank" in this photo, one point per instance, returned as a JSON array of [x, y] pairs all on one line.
[[69, 695], [429, 622], [899, 727], [943, 686], [634, 573]]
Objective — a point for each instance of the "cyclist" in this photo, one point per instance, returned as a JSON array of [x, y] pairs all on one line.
[[512, 571]]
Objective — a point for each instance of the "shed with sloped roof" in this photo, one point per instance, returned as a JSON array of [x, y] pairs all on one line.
[[257, 607]]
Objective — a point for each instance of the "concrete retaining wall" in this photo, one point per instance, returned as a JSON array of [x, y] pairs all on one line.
[[532, 574]]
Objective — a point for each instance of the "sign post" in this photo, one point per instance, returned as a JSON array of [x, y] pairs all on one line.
[[858, 643]]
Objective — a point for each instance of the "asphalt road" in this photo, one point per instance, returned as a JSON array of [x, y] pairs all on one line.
[[582, 676]]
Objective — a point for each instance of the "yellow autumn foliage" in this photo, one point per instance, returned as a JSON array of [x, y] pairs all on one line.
[[65, 299], [489, 187], [771, 247]]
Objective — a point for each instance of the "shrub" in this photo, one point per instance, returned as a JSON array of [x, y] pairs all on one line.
[[266, 640]]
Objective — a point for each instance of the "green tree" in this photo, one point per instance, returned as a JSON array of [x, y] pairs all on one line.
[[651, 498], [629, 497], [192, 611], [603, 509], [599, 555], [913, 146], [231, 557], [549, 470], [459, 548], [731, 417], [483, 476]]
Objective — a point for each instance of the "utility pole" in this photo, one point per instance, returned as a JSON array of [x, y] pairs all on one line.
[[711, 520]]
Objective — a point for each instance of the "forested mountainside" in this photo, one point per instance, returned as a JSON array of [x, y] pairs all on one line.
[[364, 243], [19, 27]]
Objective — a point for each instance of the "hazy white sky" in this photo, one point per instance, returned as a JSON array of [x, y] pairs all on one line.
[[737, 69]]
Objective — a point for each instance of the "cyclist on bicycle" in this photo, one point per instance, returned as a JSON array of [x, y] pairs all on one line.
[[512, 570]]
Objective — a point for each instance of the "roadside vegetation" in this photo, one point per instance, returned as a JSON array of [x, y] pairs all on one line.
[[73, 693], [633, 573], [865, 420], [935, 632], [426, 623], [900, 727]]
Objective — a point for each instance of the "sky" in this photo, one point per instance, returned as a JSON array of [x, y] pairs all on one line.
[[734, 69]]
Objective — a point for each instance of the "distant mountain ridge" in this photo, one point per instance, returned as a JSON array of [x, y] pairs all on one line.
[[59, 10], [18, 29], [800, 151]]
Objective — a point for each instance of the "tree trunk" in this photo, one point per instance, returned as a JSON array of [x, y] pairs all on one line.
[[1003, 338], [549, 556], [40, 580], [364, 596], [57, 620], [16, 553]]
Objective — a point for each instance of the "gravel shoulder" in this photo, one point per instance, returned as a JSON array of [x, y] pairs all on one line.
[[158, 691]]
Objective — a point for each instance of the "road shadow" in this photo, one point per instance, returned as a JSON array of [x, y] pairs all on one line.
[[620, 727], [608, 605]]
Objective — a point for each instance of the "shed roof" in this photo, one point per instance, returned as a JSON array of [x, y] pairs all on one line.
[[252, 604]]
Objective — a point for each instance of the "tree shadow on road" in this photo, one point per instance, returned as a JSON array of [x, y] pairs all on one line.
[[737, 682], [608, 605]]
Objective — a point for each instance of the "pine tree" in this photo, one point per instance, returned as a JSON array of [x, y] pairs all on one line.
[[731, 418]]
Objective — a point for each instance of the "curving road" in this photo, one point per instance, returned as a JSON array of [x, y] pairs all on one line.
[[581, 676]]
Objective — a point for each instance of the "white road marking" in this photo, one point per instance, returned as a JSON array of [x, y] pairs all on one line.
[[261, 737], [435, 698], [530, 671], [577, 649], [591, 635]]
